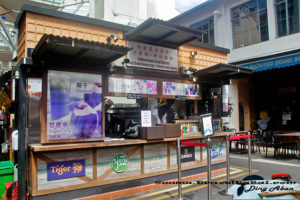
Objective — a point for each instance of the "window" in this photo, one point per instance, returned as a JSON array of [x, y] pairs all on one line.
[[287, 15], [207, 28], [249, 23]]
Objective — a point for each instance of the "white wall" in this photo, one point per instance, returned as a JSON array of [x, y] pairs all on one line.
[[162, 9], [221, 9], [234, 118], [132, 12]]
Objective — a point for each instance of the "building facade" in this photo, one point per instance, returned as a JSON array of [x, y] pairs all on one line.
[[262, 35]]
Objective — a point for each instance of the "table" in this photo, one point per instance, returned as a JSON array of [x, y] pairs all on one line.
[[290, 134]]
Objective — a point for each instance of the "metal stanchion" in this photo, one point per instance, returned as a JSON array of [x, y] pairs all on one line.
[[208, 150], [179, 169], [228, 160], [224, 192], [249, 156]]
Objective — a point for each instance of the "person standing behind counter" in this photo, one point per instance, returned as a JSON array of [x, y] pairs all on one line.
[[167, 109]]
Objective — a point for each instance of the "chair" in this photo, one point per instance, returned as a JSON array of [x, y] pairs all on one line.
[[271, 141], [257, 140]]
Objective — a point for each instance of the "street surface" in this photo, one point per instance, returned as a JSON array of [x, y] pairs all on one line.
[[261, 165]]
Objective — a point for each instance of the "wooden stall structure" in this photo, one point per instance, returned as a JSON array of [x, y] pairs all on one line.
[[58, 51]]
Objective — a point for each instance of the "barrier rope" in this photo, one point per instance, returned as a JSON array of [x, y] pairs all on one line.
[[194, 144], [240, 137]]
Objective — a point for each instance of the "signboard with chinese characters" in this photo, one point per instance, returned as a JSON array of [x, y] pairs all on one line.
[[134, 86], [180, 89], [74, 106], [152, 57], [65, 169]]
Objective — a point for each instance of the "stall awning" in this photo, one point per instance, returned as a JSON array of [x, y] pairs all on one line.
[[220, 73], [162, 33], [62, 48]]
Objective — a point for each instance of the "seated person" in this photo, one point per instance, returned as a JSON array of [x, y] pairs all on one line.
[[168, 110], [263, 122]]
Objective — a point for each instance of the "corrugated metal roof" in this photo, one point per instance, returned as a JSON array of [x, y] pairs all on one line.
[[220, 72], [162, 33], [66, 48]]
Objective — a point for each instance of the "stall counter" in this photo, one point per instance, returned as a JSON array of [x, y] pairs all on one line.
[[65, 167]]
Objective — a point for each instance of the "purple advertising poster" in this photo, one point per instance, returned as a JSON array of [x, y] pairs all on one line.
[[74, 105], [65, 169]]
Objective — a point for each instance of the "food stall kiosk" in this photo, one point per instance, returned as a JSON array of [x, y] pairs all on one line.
[[69, 155]]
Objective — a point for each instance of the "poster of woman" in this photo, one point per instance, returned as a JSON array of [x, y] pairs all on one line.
[[74, 105]]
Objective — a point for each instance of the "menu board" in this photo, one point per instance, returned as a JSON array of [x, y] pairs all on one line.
[[207, 125], [74, 105], [180, 89], [138, 86]]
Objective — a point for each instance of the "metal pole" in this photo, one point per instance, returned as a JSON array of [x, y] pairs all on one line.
[[228, 159], [249, 156], [21, 135], [179, 169], [208, 150]]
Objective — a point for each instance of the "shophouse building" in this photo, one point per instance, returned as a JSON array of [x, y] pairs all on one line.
[[262, 35]]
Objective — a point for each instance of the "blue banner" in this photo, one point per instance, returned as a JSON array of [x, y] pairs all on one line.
[[65, 169], [274, 63]]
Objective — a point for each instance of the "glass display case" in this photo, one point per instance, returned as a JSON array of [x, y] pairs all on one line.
[[189, 127]]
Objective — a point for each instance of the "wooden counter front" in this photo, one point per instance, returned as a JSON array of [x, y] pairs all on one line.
[[145, 158]]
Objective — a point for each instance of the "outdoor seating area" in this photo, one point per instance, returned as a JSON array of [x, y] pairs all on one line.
[[269, 143]]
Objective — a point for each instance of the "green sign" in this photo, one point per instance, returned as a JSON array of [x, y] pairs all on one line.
[[120, 163]]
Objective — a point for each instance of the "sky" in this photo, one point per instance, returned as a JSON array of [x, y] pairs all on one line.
[[184, 5]]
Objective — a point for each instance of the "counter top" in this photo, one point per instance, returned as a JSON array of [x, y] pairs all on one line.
[[87, 145]]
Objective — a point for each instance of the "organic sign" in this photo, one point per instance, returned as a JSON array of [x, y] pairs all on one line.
[[65, 169], [120, 163], [274, 63]]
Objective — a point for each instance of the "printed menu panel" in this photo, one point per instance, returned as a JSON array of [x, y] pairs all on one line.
[[182, 89], [138, 86]]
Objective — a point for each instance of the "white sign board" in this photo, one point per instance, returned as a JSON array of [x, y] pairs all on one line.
[[152, 57], [146, 118], [207, 125]]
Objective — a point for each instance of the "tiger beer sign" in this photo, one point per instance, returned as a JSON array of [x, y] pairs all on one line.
[[65, 169]]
